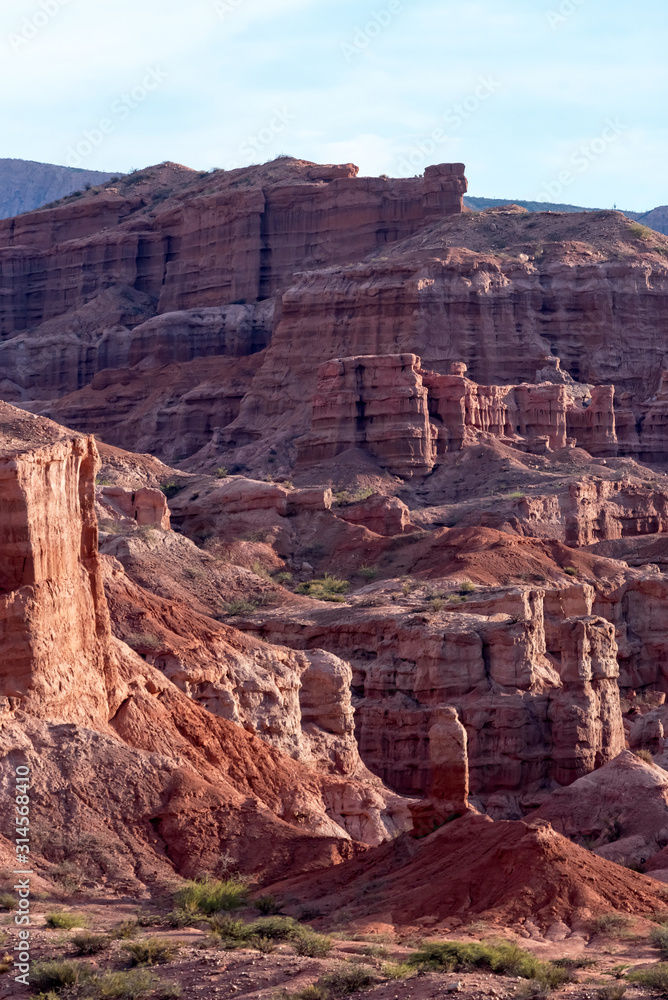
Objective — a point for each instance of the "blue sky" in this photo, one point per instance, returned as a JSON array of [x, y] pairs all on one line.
[[560, 100]]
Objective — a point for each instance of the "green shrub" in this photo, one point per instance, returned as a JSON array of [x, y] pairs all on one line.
[[329, 588], [172, 488], [615, 991], [502, 958], [126, 929], [267, 905], [398, 970], [659, 938], [655, 978], [58, 975], [347, 979], [284, 578], [368, 572], [613, 924], [313, 945], [467, 587], [222, 473], [150, 919], [570, 571], [7, 901], [375, 951], [277, 928], [134, 984], [90, 944], [213, 896], [644, 755], [152, 951], [241, 607], [66, 921], [187, 916]]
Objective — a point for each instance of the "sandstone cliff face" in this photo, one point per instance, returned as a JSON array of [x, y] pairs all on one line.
[[536, 693], [65, 676], [53, 663], [231, 237]]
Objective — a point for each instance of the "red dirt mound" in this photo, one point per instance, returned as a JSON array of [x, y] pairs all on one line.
[[472, 868]]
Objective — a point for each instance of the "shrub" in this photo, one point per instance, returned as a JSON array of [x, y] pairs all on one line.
[[7, 901], [570, 571], [125, 930], [183, 917], [58, 975], [375, 951], [172, 488], [329, 588], [90, 944], [516, 495], [615, 991], [644, 755], [659, 938], [368, 572], [613, 924], [284, 578], [66, 921], [152, 951], [150, 919], [134, 984], [213, 896], [260, 570], [437, 604], [397, 970], [655, 978], [347, 979], [641, 232], [313, 945], [267, 905], [222, 473], [241, 607], [501, 958], [467, 587], [277, 928], [142, 641]]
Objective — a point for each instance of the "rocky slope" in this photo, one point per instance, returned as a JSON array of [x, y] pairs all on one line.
[[26, 185], [410, 566]]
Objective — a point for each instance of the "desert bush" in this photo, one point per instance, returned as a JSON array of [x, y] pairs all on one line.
[[344, 497], [66, 921], [347, 979], [614, 991], [58, 975], [241, 607], [260, 570], [397, 970], [368, 572], [150, 919], [7, 901], [133, 984], [152, 951], [570, 571], [183, 916], [172, 488], [375, 951], [125, 929], [467, 587], [90, 944], [213, 895], [277, 928], [283, 578], [654, 978], [501, 958], [142, 641], [328, 588], [659, 938], [313, 945], [222, 473], [613, 924], [267, 905], [644, 755]]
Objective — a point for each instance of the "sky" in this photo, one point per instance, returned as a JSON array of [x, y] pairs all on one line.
[[550, 100]]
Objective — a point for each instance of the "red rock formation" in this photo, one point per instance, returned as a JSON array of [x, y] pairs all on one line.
[[233, 236], [378, 404], [504, 873], [147, 507], [539, 706], [405, 417], [205, 781]]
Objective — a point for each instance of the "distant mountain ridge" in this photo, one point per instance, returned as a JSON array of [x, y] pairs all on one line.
[[656, 219], [26, 184]]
